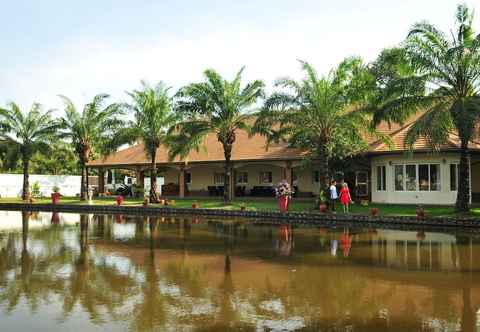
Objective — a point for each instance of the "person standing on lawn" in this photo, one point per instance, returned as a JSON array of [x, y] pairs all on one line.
[[345, 197], [333, 195]]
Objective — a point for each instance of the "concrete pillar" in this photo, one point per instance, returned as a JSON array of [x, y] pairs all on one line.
[[101, 181], [140, 178], [181, 182], [287, 172]]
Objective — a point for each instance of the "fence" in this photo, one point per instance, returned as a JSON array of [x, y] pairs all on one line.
[[11, 184]]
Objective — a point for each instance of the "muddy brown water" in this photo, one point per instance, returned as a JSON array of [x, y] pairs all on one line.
[[72, 272]]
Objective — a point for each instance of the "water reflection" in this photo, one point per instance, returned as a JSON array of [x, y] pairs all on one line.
[[162, 273]]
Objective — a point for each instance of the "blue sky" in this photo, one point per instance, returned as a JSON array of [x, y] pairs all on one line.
[[81, 48]]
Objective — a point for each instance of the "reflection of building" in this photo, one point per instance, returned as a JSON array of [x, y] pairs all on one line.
[[415, 250]]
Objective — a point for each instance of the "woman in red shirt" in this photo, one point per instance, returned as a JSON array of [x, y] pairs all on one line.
[[345, 197]]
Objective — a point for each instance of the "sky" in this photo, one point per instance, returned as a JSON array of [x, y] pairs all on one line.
[[82, 48]]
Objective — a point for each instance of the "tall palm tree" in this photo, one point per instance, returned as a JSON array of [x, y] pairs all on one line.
[[215, 106], [30, 132], [449, 68], [93, 130], [319, 114], [152, 108]]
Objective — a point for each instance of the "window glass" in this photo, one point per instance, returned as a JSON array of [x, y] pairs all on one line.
[[453, 177], [434, 177], [265, 177], [398, 174], [188, 178], [219, 178], [411, 177], [384, 178], [242, 177], [423, 178], [316, 176]]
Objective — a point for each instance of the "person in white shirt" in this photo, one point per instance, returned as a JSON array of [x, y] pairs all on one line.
[[333, 194]]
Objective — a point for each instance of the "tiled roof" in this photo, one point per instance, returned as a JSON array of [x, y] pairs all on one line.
[[253, 148], [245, 148]]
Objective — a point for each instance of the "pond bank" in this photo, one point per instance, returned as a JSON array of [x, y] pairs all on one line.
[[267, 216]]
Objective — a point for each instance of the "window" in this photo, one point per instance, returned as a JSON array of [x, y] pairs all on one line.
[[294, 177], [188, 177], [316, 176], [398, 177], [429, 177], [454, 177], [265, 177], [412, 177], [381, 178], [242, 177], [219, 178]]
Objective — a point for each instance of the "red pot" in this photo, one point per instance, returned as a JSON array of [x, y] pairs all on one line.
[[119, 199], [283, 204], [55, 198], [374, 212], [323, 208]]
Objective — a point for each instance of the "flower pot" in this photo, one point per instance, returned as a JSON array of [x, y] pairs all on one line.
[[283, 204], [55, 198], [119, 200], [145, 202], [374, 212], [420, 213], [323, 207], [194, 205]]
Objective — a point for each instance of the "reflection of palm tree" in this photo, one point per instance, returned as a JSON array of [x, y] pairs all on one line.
[[150, 313], [465, 259]]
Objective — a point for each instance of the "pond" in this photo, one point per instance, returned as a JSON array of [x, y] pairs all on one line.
[[71, 272]]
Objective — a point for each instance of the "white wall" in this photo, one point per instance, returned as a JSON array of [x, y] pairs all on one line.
[[442, 197], [11, 184]]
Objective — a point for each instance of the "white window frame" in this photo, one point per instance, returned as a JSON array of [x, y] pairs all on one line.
[[417, 177], [383, 175], [220, 175], [260, 177]]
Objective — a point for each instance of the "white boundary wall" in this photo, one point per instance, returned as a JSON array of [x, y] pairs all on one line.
[[11, 184]]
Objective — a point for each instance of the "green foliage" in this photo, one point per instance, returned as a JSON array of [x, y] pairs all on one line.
[[56, 189], [27, 134], [442, 84], [321, 114], [214, 106], [93, 131], [62, 160], [35, 190]]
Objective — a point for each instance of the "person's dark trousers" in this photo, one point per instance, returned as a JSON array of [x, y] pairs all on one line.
[[332, 204]]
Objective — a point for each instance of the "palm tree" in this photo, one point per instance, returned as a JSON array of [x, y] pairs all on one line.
[[30, 132], [152, 108], [319, 114], [214, 106], [449, 68], [92, 130]]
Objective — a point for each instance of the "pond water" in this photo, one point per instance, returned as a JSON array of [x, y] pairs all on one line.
[[71, 272]]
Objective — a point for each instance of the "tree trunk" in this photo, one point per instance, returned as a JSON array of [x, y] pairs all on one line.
[[323, 170], [463, 193], [83, 184], [26, 184], [153, 180], [227, 148]]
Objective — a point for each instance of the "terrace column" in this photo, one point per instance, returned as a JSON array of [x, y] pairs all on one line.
[[287, 172], [101, 181], [140, 178], [181, 182]]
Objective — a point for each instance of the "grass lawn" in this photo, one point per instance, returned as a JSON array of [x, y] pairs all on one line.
[[266, 204]]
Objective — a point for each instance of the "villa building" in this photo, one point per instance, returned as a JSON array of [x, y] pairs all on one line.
[[386, 173]]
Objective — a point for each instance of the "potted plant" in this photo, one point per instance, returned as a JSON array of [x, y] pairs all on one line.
[[56, 195], [420, 212], [119, 200], [194, 205], [284, 194], [243, 207], [145, 201], [322, 202], [374, 211]]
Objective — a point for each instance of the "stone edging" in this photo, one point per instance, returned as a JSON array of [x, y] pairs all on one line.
[[270, 216]]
